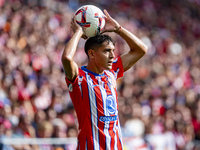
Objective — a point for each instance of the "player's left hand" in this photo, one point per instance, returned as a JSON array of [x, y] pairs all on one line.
[[111, 24]]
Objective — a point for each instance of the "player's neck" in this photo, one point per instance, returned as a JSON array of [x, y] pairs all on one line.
[[92, 67]]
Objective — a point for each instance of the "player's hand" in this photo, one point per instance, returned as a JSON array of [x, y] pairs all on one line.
[[75, 28], [111, 24]]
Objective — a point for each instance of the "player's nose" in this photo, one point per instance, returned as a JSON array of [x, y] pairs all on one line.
[[112, 54]]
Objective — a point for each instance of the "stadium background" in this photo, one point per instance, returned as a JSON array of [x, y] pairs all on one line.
[[159, 98]]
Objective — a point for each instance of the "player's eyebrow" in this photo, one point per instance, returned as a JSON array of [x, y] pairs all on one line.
[[109, 49]]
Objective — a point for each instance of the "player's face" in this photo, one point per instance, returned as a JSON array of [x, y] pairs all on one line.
[[104, 56]]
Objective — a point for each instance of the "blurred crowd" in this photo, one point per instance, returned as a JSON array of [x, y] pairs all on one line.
[[159, 98]]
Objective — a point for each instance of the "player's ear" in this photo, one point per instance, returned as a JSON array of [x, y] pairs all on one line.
[[91, 53]]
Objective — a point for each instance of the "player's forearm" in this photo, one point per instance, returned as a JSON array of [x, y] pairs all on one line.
[[71, 47], [134, 42]]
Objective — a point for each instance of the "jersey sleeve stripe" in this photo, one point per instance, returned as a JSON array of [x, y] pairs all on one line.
[[117, 67]]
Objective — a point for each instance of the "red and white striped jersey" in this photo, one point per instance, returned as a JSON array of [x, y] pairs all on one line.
[[94, 97]]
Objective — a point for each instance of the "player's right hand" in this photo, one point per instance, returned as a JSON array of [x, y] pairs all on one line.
[[75, 27]]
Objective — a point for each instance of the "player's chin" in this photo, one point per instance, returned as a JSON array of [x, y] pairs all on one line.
[[109, 67]]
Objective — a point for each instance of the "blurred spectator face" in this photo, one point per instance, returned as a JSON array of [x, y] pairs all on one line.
[[2, 128], [69, 120], [13, 93], [2, 112], [72, 132], [45, 129], [157, 128], [8, 128], [137, 110], [169, 124], [24, 122], [180, 127], [40, 116], [189, 132], [7, 110], [16, 110], [60, 132], [51, 114], [5, 127]]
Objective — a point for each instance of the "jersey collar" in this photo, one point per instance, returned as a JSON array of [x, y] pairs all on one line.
[[93, 73]]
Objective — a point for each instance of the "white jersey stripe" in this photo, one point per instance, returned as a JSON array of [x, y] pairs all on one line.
[[106, 126], [79, 83], [94, 113], [114, 129]]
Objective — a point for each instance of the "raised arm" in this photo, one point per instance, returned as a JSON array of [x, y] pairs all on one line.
[[137, 47], [70, 67]]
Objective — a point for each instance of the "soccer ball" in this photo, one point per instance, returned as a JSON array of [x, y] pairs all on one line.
[[91, 19]]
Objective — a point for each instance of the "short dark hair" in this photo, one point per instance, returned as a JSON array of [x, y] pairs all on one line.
[[96, 41]]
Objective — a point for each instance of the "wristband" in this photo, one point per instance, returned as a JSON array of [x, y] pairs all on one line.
[[118, 30]]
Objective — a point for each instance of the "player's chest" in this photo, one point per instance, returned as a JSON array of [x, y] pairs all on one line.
[[103, 82]]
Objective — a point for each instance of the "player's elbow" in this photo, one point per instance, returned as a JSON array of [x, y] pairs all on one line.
[[141, 51], [66, 59], [144, 49]]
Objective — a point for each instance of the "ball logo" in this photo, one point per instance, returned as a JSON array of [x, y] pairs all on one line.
[[111, 104], [83, 22]]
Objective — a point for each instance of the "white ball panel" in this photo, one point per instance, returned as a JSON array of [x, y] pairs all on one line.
[[92, 30]]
